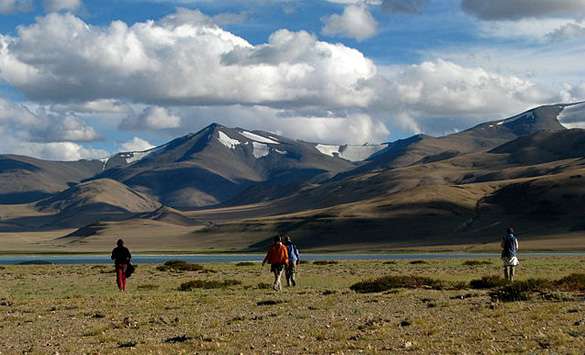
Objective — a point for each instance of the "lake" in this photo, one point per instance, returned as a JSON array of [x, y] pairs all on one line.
[[233, 258]]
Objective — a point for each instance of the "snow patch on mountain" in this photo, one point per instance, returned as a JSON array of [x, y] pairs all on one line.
[[227, 141], [573, 116], [258, 138], [350, 152], [260, 150]]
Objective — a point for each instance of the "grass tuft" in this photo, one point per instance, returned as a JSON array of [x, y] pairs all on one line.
[[269, 302], [148, 287], [520, 290], [392, 282], [418, 262], [180, 265], [264, 286], [573, 282], [325, 262], [476, 262], [246, 263], [127, 344], [208, 284], [487, 282], [178, 339]]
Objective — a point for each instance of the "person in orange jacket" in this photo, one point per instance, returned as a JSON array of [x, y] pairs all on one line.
[[277, 257]]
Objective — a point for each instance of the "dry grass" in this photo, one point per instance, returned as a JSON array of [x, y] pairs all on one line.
[[77, 309]]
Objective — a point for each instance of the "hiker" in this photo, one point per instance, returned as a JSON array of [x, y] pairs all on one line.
[[121, 256], [293, 260], [277, 257], [509, 254]]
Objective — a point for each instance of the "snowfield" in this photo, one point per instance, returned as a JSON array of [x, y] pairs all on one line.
[[227, 141]]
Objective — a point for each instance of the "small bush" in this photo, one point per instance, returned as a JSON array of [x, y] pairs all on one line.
[[488, 282], [269, 302], [325, 262], [180, 265], [127, 344], [208, 284], [418, 262], [178, 339], [476, 262], [246, 263], [391, 282], [573, 282], [520, 290], [264, 286]]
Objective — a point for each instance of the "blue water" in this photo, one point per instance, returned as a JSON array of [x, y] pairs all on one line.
[[233, 258]]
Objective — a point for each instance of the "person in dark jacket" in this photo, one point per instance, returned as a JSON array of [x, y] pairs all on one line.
[[510, 254], [294, 260], [121, 257]]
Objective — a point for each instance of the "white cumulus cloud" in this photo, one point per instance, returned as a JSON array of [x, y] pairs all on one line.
[[356, 22], [136, 144], [182, 59]]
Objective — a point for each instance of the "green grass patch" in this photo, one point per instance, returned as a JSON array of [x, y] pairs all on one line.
[[208, 284], [392, 282], [148, 287]]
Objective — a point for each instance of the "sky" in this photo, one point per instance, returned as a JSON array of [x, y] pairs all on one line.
[[84, 79]]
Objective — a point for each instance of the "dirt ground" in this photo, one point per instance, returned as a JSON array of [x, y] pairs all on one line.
[[77, 309]]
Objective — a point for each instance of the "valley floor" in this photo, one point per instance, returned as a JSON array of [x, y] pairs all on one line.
[[76, 309]]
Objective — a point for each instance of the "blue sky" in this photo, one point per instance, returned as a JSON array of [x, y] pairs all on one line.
[[84, 79]]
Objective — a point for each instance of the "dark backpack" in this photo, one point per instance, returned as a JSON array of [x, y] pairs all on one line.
[[130, 270]]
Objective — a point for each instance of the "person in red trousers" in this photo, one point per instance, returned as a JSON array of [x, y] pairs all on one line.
[[121, 256]]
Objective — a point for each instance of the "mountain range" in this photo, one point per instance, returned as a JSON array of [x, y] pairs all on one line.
[[232, 188]]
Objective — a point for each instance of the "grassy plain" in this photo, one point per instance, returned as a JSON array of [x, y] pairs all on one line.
[[77, 309]]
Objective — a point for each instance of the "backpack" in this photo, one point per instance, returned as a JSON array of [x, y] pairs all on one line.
[[130, 270]]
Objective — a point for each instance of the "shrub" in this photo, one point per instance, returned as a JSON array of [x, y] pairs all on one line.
[[573, 282], [418, 262], [264, 286], [476, 262], [269, 302], [520, 290], [208, 284], [488, 282], [180, 265], [246, 263], [391, 282], [127, 344], [325, 262], [178, 339]]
